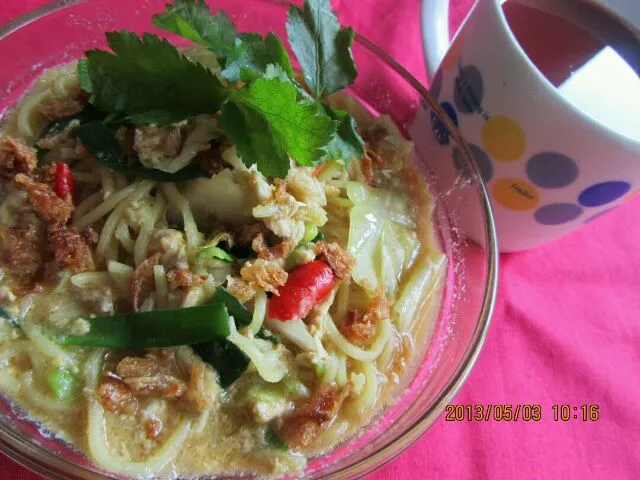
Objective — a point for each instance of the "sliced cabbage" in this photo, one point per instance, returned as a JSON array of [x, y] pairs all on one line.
[[382, 237], [423, 278], [268, 358], [225, 197]]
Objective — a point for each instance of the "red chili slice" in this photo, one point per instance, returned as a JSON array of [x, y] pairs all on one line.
[[307, 285], [65, 185]]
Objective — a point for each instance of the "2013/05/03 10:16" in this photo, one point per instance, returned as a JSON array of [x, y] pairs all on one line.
[[523, 412]]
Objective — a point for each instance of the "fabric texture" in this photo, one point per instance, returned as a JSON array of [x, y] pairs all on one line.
[[566, 330]]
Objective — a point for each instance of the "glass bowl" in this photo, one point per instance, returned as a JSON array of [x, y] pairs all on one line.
[[63, 30]]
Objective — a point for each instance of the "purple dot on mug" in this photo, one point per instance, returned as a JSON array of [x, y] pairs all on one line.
[[551, 170], [603, 193], [599, 214], [482, 159], [436, 85], [557, 213], [468, 89], [459, 163]]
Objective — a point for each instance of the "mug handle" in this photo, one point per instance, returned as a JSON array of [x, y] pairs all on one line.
[[435, 33]]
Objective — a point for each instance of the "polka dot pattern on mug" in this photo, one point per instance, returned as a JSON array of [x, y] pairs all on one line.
[[515, 194], [603, 193], [468, 89], [484, 163], [440, 130], [551, 170], [503, 138], [558, 213]]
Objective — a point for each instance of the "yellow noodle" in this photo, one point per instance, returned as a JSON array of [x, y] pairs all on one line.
[[341, 369], [142, 242], [330, 369], [341, 303], [121, 276], [367, 397], [175, 198], [108, 182], [92, 201], [353, 351], [106, 234], [46, 346], [162, 286], [100, 211], [29, 121], [259, 312], [124, 237], [99, 447], [85, 279], [149, 303]]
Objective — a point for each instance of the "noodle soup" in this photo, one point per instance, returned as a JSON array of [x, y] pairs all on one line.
[[210, 264]]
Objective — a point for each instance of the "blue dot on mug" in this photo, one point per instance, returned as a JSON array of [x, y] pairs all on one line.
[[481, 158], [551, 170], [557, 213], [436, 85], [603, 193], [439, 128], [468, 89]]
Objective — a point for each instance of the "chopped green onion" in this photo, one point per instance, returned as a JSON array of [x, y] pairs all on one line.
[[215, 252], [63, 384], [237, 310], [318, 237], [310, 232], [159, 328]]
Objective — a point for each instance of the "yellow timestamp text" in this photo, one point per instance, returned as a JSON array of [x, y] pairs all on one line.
[[506, 412]]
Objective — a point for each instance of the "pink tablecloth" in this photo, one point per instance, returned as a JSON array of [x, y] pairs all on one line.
[[566, 331]]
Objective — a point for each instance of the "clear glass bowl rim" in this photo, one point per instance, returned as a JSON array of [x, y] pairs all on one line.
[[48, 464]]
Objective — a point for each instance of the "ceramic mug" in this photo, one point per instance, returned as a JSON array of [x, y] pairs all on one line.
[[548, 165]]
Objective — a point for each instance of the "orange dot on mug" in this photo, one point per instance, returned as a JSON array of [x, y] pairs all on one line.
[[503, 138], [515, 194]]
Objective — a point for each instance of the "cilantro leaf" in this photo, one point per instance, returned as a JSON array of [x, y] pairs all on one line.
[[268, 126], [346, 143], [149, 79], [322, 47], [192, 20], [254, 53]]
